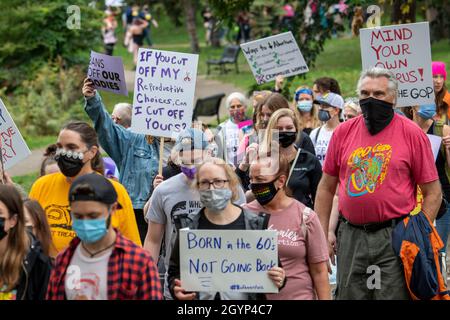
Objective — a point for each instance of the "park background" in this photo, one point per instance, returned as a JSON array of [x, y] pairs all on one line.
[[43, 62]]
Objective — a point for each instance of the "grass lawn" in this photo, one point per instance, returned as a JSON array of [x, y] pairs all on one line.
[[39, 142], [26, 181]]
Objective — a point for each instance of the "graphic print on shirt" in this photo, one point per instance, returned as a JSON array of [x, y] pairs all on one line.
[[88, 287], [12, 295], [367, 169], [286, 237], [185, 207], [60, 221]]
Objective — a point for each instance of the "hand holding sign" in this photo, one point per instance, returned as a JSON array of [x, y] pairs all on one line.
[[88, 88], [180, 293]]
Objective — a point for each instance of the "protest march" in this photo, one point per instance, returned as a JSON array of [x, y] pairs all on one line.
[[314, 180]]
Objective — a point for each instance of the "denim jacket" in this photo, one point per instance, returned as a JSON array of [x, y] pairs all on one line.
[[136, 159]]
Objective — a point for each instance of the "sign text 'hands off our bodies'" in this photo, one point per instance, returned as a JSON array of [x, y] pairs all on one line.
[[228, 260], [107, 73], [13, 148], [273, 56], [405, 50], [164, 92]]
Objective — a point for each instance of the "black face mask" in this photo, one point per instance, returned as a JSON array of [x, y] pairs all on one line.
[[324, 115], [69, 167], [287, 138], [264, 192], [377, 114], [3, 233]]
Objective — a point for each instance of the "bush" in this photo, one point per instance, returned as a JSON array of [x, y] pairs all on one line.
[[42, 105]]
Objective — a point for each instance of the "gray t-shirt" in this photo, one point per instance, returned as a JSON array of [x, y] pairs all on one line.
[[173, 197]]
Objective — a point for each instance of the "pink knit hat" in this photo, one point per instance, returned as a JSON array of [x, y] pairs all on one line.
[[438, 67]]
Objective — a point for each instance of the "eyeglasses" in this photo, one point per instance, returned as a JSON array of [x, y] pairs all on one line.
[[217, 183]]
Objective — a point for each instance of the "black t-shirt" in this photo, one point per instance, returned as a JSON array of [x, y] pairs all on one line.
[[238, 224], [305, 178]]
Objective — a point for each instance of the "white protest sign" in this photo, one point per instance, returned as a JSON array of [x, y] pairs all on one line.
[[107, 73], [14, 149], [228, 260], [435, 144], [273, 56], [405, 50], [163, 92]]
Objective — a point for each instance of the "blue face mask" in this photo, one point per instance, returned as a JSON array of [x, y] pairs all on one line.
[[90, 231], [305, 105], [427, 111]]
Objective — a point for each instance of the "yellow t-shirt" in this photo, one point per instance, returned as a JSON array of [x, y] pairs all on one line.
[[52, 192]]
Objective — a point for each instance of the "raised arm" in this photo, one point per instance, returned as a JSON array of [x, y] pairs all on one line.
[[113, 138]]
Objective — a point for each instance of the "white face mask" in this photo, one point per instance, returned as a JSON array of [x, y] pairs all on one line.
[[305, 105], [215, 199]]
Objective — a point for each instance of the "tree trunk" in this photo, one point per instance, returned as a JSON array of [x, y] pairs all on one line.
[[190, 11]]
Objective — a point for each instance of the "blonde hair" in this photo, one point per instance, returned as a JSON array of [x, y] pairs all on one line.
[[313, 113], [232, 178], [276, 116]]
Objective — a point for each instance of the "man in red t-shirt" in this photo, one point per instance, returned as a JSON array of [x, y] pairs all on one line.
[[378, 159]]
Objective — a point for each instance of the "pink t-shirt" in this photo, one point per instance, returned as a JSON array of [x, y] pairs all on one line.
[[378, 174], [293, 250]]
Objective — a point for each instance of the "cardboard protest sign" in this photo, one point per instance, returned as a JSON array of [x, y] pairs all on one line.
[[273, 56], [163, 92], [13, 148], [435, 144], [405, 50], [107, 73], [228, 260]]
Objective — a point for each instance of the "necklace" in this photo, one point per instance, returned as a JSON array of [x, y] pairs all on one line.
[[100, 251]]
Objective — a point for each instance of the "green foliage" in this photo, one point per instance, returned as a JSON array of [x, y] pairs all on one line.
[[41, 105], [266, 15], [35, 32]]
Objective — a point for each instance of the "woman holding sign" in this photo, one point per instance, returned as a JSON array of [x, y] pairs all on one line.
[[302, 246], [218, 187]]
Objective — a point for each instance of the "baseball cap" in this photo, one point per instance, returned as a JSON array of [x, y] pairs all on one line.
[[101, 189], [191, 139], [330, 99]]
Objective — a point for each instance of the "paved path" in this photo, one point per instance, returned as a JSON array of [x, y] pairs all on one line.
[[205, 87]]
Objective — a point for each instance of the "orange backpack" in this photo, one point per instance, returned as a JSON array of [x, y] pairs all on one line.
[[416, 241]]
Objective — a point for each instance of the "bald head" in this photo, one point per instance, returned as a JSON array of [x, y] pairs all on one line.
[[121, 114]]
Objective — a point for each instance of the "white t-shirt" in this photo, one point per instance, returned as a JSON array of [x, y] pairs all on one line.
[[87, 278], [230, 131], [321, 140]]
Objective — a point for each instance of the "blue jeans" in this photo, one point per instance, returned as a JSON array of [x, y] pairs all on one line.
[[443, 228]]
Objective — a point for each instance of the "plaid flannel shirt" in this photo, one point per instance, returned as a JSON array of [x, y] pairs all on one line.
[[132, 274]]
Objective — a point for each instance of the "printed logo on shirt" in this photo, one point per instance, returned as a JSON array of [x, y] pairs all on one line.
[[286, 237], [60, 221], [88, 287], [367, 169], [185, 207]]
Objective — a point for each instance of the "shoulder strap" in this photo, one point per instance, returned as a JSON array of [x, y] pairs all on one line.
[[306, 213], [317, 136], [293, 165]]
